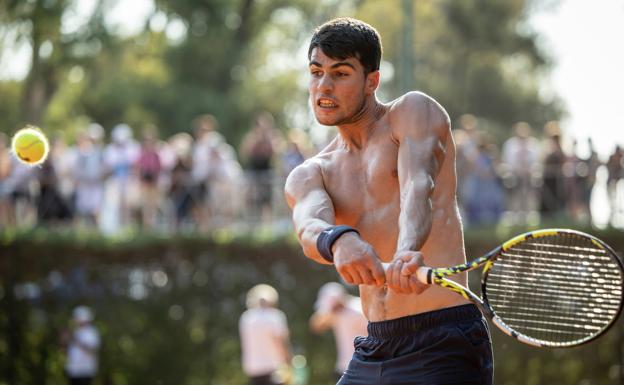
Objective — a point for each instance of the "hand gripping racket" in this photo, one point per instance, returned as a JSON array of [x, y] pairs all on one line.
[[546, 288]]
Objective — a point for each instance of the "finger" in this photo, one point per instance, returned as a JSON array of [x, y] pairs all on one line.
[[405, 282], [389, 271], [395, 276], [411, 265], [379, 274], [357, 278], [346, 276], [367, 275]]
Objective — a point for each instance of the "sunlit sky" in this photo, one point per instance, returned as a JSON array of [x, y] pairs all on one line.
[[585, 39]]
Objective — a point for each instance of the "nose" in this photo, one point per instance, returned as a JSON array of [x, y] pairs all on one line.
[[325, 84]]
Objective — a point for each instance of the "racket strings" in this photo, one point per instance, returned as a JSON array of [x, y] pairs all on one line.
[[556, 289]]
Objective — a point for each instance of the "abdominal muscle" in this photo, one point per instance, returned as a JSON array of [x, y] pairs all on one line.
[[381, 303], [443, 248]]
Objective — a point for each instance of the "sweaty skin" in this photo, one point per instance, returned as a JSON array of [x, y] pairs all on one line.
[[389, 173]]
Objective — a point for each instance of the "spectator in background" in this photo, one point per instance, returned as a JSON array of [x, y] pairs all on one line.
[[180, 186], [580, 176], [82, 342], [52, 209], [17, 190], [593, 163], [119, 159], [63, 157], [484, 197], [5, 169], [337, 310], [521, 157], [88, 172], [573, 170], [227, 185], [257, 149], [149, 167], [264, 337], [615, 170], [553, 190], [291, 158], [466, 150], [203, 155]]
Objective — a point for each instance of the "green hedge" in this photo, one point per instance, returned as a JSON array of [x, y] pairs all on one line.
[[168, 309]]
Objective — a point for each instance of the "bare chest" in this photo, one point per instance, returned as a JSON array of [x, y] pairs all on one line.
[[363, 184]]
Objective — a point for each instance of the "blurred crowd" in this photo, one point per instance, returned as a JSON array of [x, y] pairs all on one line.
[[186, 182], [199, 182], [529, 180]]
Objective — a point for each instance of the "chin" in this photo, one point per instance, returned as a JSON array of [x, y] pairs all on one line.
[[326, 120]]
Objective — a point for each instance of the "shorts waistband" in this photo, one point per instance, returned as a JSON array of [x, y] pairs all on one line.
[[418, 322]]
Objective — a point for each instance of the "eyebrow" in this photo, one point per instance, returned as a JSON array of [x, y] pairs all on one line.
[[335, 65]]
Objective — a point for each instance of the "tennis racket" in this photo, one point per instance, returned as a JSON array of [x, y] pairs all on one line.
[[545, 288]]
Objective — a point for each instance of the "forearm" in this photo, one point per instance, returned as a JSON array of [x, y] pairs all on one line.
[[415, 219], [308, 233]]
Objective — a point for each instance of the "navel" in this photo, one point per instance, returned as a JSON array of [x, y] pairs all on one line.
[[395, 173]]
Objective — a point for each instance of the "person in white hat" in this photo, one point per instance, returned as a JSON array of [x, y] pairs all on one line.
[[82, 349], [341, 312], [264, 337]]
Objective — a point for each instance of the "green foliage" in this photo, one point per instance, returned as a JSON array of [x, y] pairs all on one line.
[[168, 310], [10, 94], [236, 58]]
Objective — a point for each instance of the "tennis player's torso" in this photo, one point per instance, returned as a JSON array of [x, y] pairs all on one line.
[[364, 188]]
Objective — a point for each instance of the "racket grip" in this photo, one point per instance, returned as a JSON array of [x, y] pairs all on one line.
[[424, 274]]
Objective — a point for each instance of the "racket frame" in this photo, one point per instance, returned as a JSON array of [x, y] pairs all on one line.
[[438, 276]]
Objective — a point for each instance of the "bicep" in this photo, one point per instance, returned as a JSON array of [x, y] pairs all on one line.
[[420, 159], [423, 135], [306, 196], [312, 208]]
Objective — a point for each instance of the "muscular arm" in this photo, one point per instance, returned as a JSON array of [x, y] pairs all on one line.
[[313, 211], [311, 206], [422, 146], [421, 128]]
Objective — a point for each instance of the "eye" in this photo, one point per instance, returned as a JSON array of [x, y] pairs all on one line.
[[316, 73], [342, 74]]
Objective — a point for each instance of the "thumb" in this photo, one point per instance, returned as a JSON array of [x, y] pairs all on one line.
[[379, 273]]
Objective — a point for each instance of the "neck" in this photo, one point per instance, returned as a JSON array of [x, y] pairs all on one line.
[[358, 130]]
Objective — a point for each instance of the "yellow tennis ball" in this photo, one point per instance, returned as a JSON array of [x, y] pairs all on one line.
[[30, 146]]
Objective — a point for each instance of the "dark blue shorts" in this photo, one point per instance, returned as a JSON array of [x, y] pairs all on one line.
[[447, 346]]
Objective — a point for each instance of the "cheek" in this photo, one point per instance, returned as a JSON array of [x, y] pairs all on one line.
[[354, 96]]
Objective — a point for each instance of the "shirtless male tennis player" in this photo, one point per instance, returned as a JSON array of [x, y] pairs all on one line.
[[384, 190]]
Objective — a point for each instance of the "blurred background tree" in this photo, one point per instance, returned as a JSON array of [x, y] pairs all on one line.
[[236, 58]]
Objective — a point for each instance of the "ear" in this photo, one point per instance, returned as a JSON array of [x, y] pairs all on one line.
[[372, 82]]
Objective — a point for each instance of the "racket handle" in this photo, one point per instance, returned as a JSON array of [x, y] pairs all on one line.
[[423, 273]]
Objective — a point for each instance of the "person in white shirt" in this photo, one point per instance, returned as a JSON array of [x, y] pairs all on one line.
[[521, 160], [82, 348], [264, 337], [341, 312]]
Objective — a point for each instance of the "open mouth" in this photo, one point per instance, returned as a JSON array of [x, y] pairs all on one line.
[[326, 103]]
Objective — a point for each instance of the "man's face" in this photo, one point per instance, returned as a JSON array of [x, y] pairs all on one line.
[[337, 88]]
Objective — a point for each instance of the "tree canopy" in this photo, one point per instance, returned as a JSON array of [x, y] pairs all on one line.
[[236, 58]]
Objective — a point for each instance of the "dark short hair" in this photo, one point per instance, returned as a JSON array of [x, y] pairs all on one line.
[[346, 37]]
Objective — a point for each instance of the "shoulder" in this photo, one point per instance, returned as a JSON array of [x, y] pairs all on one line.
[[309, 169], [276, 317], [418, 113], [306, 177]]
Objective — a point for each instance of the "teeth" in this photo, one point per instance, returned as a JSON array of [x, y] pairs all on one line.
[[326, 103]]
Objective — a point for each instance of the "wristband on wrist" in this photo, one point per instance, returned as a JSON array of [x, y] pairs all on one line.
[[327, 238]]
